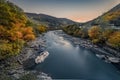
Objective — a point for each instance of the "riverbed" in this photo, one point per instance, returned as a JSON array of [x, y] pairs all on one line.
[[69, 61]]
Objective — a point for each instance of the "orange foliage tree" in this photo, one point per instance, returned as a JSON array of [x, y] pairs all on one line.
[[28, 33]]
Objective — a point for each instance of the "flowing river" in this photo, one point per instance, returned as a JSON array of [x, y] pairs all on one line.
[[68, 61]]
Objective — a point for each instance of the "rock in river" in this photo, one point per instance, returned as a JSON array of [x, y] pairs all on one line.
[[41, 57], [114, 59]]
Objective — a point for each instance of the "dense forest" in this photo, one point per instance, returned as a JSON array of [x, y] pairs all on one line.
[[15, 29]]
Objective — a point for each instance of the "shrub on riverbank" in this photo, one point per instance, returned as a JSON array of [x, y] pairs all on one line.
[[40, 29]]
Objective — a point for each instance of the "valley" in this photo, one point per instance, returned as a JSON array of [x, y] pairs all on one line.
[[36, 46]]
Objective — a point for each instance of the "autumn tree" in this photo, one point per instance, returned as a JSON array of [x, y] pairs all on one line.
[[41, 28], [95, 34], [2, 30], [28, 33], [111, 15], [106, 34], [114, 39]]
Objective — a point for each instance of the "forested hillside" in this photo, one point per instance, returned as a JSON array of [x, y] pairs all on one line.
[[14, 29], [110, 19]]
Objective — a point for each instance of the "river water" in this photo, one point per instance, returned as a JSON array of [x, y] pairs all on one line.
[[68, 61]]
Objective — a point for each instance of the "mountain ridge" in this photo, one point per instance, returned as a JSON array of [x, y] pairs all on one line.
[[111, 17], [48, 20]]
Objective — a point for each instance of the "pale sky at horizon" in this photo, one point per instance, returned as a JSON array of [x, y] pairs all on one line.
[[77, 10]]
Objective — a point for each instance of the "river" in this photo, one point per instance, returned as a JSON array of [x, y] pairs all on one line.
[[68, 61]]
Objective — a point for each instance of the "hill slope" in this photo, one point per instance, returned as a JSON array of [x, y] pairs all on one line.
[[49, 21], [14, 31], [108, 18]]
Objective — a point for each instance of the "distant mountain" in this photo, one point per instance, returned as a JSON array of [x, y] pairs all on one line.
[[112, 17], [49, 21]]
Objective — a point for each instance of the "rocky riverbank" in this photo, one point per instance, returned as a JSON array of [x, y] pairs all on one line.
[[105, 53], [21, 66], [18, 67]]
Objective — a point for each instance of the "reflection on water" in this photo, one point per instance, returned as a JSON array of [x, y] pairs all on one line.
[[68, 61], [57, 41]]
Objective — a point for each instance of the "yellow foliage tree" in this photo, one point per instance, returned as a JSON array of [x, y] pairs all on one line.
[[106, 34], [94, 32], [114, 39]]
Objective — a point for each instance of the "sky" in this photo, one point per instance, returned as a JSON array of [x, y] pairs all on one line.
[[76, 10]]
